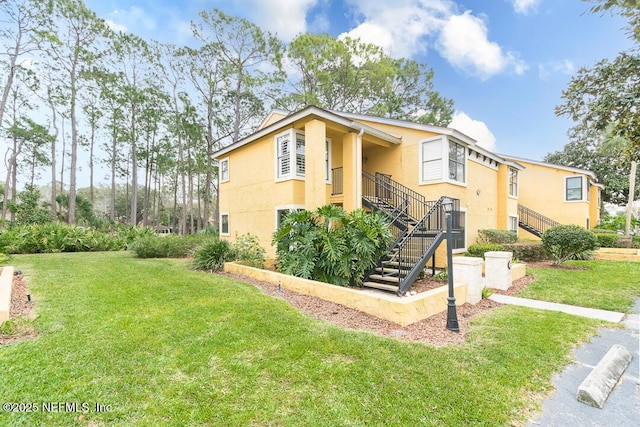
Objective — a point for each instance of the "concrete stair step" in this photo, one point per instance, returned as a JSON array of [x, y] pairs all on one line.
[[380, 286], [390, 279]]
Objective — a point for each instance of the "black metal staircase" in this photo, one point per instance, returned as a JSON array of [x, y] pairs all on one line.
[[534, 222], [418, 227]]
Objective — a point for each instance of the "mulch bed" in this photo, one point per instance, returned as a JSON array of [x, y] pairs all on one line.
[[21, 307], [431, 331]]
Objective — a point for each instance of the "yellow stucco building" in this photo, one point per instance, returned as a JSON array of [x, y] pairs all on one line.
[[312, 157]]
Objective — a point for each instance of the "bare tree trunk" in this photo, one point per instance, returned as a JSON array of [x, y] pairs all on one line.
[[74, 144], [199, 216], [91, 146], [114, 156], [632, 193], [64, 149], [54, 120]]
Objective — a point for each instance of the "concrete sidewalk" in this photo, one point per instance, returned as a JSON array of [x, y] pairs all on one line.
[[609, 316]]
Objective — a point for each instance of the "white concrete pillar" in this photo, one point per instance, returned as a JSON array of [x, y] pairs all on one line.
[[469, 270], [497, 270]]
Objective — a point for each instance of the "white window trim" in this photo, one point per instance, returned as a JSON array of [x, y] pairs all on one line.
[[328, 164], [228, 223], [466, 242], [516, 218], [513, 196], [583, 189], [282, 208], [444, 158], [292, 153], [226, 159]]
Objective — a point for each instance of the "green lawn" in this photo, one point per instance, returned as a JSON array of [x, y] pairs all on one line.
[[163, 345], [607, 285]]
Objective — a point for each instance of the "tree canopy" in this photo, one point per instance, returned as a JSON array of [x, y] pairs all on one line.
[[357, 77]]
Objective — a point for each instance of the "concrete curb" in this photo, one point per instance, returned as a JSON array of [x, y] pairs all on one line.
[[595, 389], [6, 282]]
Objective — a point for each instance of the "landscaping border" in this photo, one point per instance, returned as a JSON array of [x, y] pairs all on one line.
[[6, 282], [401, 310]]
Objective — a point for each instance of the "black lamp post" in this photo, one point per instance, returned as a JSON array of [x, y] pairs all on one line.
[[452, 315]]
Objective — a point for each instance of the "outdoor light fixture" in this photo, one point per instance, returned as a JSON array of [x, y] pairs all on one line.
[[452, 315]]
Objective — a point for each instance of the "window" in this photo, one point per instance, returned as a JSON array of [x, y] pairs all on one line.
[[281, 211], [432, 160], [327, 160], [224, 170], [456, 161], [300, 165], [224, 224], [286, 155], [513, 182], [442, 160], [458, 230], [283, 143], [513, 224], [573, 188]]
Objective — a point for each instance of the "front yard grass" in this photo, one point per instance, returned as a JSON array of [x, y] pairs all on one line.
[[607, 285], [163, 345]]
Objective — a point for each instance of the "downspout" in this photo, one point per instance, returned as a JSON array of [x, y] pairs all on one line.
[[359, 169]]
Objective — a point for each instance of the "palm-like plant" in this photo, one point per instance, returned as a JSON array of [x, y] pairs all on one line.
[[330, 245]]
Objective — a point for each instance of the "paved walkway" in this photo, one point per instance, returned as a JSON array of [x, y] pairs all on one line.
[[609, 316], [562, 408]]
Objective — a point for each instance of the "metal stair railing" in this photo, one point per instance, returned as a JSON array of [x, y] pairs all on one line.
[[380, 188], [533, 221], [421, 242]]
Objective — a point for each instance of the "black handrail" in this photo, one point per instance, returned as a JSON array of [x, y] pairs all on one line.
[[380, 189], [534, 220]]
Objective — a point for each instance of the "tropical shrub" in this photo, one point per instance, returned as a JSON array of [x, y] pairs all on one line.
[[247, 250], [171, 246], [478, 249], [607, 240], [330, 245], [212, 255], [566, 242], [527, 251], [497, 236]]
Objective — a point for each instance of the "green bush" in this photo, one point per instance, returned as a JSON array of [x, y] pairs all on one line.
[[497, 236], [172, 246], [478, 249], [248, 251], [212, 255], [607, 240], [330, 245], [604, 231], [527, 251], [565, 242], [57, 237]]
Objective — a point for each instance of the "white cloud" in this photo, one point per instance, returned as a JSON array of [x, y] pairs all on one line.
[[552, 67], [133, 18], [287, 18], [464, 43], [476, 129], [401, 27], [525, 6], [405, 28], [116, 27]]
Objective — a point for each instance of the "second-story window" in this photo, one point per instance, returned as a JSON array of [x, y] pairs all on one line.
[[290, 154], [456, 161], [513, 182], [573, 188]]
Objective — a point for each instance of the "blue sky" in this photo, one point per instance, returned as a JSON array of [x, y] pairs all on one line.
[[503, 62]]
